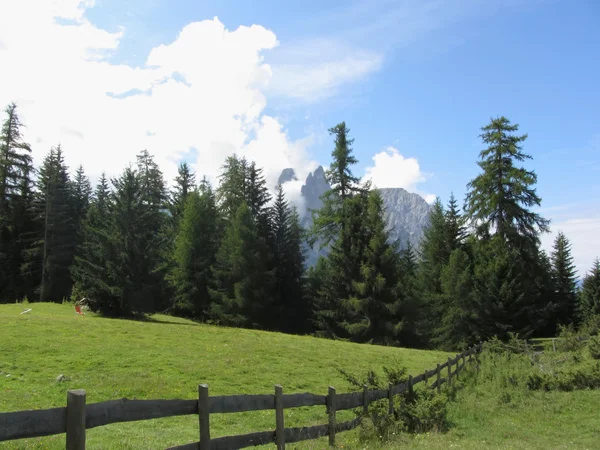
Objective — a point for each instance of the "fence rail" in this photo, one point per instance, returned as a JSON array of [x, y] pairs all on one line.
[[77, 416]]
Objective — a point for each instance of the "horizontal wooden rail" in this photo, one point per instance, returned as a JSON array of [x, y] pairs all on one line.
[[79, 417]]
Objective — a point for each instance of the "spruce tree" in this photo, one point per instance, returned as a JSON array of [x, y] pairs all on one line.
[[456, 232], [291, 309], [15, 204], [185, 183], [232, 189], [373, 312], [589, 299], [81, 197], [499, 200], [564, 280], [55, 247], [243, 283], [196, 245], [434, 250]]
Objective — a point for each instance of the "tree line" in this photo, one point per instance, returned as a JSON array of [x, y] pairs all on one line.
[[234, 254]]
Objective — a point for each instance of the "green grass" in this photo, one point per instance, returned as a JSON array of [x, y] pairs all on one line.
[[167, 358]]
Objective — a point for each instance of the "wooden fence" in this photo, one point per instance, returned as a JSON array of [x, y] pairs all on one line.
[[77, 416]]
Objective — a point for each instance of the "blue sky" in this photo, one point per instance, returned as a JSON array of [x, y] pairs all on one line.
[[421, 76]]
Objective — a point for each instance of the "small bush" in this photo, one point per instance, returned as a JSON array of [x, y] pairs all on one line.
[[594, 347], [568, 339]]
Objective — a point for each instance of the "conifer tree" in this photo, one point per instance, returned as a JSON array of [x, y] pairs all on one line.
[[499, 200], [456, 232], [185, 183], [564, 280], [291, 309], [81, 196], [196, 245], [55, 248], [232, 190], [589, 300], [373, 312], [434, 250], [15, 204], [243, 283]]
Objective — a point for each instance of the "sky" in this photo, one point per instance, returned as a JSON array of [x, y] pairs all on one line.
[[414, 80]]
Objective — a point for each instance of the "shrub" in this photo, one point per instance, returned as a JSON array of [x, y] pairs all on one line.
[[594, 347], [569, 340]]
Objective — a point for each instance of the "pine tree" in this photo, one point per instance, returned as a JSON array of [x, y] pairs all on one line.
[[196, 245], [243, 283], [55, 248], [589, 300], [185, 183], [373, 312], [291, 309], [454, 330], [232, 189], [15, 204], [81, 196], [434, 250], [499, 199], [90, 270], [564, 280], [456, 232]]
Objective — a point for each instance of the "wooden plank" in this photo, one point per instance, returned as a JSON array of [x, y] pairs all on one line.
[[431, 373], [305, 433], [242, 440], [347, 426], [331, 409], [418, 379], [378, 394], [297, 400], [204, 416], [349, 401], [124, 410], [76, 419], [400, 388], [240, 403], [443, 366], [279, 419], [34, 423]]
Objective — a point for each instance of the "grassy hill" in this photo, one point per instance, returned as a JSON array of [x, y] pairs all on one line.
[[166, 358]]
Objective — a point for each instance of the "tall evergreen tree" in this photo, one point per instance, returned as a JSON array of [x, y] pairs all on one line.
[[81, 196], [374, 312], [232, 190], [291, 308], [243, 283], [564, 280], [196, 245], [589, 301], [55, 248], [456, 232], [90, 271], [185, 183], [498, 200], [15, 204], [434, 250]]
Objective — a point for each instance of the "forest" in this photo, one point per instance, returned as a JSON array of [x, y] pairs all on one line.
[[233, 254]]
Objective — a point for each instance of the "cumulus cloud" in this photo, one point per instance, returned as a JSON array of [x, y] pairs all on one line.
[[391, 169], [201, 94]]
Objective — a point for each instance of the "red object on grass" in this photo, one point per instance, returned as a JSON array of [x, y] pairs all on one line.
[[78, 310]]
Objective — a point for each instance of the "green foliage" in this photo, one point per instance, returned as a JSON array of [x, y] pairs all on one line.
[[589, 298], [196, 245], [499, 199], [569, 340], [564, 280], [185, 183], [593, 346]]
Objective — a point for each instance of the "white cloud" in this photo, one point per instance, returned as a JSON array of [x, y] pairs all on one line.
[[584, 235], [204, 91], [315, 69], [392, 170]]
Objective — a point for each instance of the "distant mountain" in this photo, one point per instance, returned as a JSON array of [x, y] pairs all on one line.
[[407, 214]]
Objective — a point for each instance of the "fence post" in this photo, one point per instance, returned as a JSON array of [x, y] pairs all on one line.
[[410, 385], [365, 399], [470, 354], [390, 399], [76, 419], [457, 365], [449, 371], [204, 417], [280, 425], [439, 384], [553, 344], [331, 412]]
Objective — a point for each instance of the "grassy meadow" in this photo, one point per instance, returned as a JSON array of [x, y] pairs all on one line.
[[167, 357]]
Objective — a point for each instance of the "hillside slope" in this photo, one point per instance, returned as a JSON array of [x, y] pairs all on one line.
[[168, 358]]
